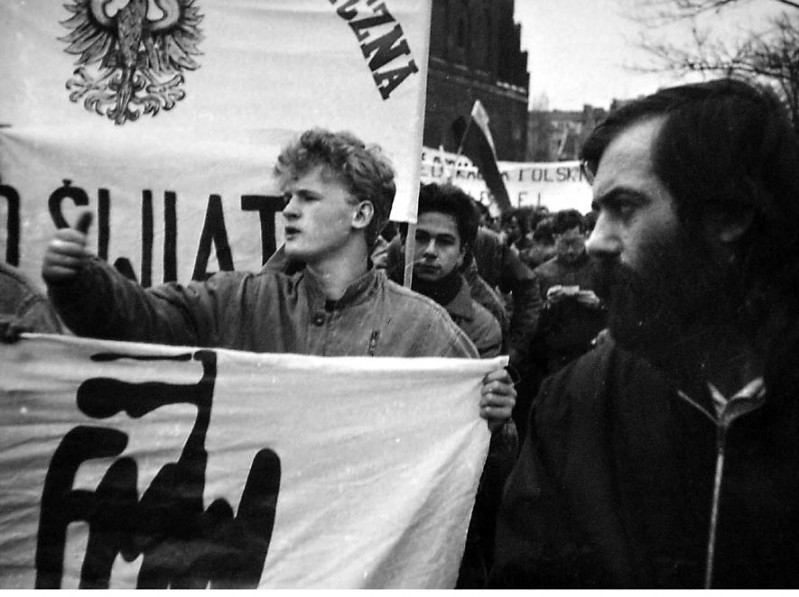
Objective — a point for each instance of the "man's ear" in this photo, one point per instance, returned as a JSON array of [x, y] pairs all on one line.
[[363, 215]]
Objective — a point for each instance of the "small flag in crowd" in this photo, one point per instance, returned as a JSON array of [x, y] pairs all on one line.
[[476, 143]]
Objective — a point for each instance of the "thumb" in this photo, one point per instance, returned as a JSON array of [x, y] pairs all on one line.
[[84, 222]]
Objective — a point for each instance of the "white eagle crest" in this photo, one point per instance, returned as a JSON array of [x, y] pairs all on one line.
[[142, 46]]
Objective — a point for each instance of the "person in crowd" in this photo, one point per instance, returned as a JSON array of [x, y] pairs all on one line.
[[486, 219], [573, 314], [379, 255], [491, 268], [668, 456], [445, 231], [516, 229], [502, 269], [328, 301], [537, 215], [22, 307], [543, 247]]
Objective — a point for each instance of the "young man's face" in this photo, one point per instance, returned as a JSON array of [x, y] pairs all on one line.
[[319, 215], [512, 229], [438, 248], [570, 245], [658, 277]]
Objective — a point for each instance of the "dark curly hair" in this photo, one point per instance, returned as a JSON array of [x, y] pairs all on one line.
[[450, 199]]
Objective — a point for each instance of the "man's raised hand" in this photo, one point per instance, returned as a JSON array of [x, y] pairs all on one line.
[[66, 253]]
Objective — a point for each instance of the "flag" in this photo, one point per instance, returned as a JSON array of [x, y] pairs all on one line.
[[480, 118], [476, 143]]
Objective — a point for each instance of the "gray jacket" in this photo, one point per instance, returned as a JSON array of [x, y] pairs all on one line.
[[268, 311]]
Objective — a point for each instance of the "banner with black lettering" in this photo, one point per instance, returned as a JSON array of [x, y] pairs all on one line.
[[554, 185], [164, 119], [132, 465]]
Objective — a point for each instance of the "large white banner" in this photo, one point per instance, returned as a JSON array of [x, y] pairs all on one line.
[[164, 118], [125, 465], [554, 185]]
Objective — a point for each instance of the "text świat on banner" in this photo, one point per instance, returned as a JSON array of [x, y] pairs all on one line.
[[164, 119]]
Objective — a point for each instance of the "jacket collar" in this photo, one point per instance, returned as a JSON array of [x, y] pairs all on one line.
[[359, 290], [461, 306]]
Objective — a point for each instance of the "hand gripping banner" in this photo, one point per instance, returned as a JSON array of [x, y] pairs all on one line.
[[132, 465]]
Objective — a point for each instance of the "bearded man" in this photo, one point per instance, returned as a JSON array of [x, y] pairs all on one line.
[[668, 456]]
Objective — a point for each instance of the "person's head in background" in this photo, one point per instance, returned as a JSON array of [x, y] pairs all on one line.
[[446, 229], [568, 230], [515, 224]]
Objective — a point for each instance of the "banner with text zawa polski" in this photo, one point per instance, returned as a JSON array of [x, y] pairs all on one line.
[[554, 185], [132, 465], [164, 119]]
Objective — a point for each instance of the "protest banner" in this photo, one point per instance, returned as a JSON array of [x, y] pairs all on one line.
[[125, 465], [554, 185], [165, 118]]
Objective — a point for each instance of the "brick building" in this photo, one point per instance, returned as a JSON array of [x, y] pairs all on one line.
[[558, 135], [475, 54]]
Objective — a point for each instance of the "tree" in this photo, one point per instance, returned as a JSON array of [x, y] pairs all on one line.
[[667, 11], [770, 56]]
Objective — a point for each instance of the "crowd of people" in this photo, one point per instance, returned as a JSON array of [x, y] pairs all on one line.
[[643, 433]]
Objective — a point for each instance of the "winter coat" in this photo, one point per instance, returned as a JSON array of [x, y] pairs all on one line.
[[614, 486], [268, 311]]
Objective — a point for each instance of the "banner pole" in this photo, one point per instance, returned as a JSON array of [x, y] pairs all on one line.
[[410, 239], [410, 244]]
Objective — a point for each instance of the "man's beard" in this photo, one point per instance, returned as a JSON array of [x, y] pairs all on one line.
[[679, 293]]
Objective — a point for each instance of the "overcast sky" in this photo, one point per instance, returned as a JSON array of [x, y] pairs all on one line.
[[578, 49]]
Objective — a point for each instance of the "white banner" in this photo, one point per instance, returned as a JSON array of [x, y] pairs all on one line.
[[165, 118], [125, 465], [554, 185]]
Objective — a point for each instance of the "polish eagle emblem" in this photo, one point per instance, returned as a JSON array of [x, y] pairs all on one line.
[[143, 48]]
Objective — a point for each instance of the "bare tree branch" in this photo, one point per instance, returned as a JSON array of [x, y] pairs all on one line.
[[769, 57], [656, 13]]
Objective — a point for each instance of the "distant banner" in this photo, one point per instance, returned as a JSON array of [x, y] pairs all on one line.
[[164, 118], [132, 465], [554, 185]]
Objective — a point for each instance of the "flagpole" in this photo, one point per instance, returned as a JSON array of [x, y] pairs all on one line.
[[460, 146]]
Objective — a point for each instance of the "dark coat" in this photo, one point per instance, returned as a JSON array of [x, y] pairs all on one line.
[[614, 486]]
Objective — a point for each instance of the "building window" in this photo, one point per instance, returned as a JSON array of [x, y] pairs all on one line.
[[463, 32], [447, 28], [488, 47]]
